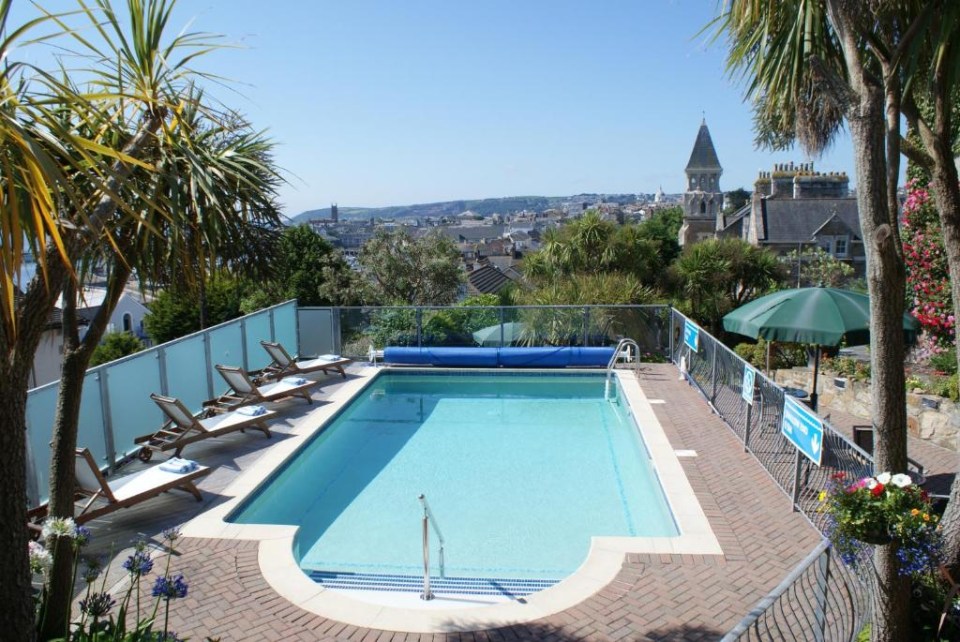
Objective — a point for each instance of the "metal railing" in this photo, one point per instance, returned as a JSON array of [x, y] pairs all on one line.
[[428, 521], [818, 600]]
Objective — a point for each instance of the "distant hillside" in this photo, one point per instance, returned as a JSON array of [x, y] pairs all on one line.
[[483, 207]]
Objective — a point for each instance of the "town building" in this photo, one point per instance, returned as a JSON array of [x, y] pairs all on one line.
[[702, 198]]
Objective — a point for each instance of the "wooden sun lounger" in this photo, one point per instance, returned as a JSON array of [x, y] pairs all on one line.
[[244, 392], [183, 428], [104, 497], [284, 365]]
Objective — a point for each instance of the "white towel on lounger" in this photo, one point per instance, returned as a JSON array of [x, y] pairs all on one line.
[[251, 411], [177, 465]]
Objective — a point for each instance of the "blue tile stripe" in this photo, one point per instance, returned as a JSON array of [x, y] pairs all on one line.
[[507, 587]]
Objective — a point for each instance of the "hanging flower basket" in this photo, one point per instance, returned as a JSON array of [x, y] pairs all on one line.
[[878, 511]]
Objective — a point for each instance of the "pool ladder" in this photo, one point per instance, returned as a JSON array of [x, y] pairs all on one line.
[[628, 348], [428, 521]]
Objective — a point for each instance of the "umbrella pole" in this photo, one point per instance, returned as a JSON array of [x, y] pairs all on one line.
[[816, 369]]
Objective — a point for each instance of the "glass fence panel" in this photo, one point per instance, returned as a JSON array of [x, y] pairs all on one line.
[[90, 430], [285, 326], [257, 329], [132, 412], [316, 330], [41, 405], [226, 346], [356, 338], [464, 327], [187, 372]]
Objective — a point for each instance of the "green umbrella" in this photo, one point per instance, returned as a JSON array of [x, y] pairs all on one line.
[[492, 335], [819, 316]]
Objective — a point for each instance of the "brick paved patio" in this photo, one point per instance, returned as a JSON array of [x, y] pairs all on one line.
[[654, 597]]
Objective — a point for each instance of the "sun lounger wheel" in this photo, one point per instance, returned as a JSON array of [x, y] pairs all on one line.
[[145, 454]]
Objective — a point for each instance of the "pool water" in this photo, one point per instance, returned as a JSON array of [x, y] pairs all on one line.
[[520, 472]]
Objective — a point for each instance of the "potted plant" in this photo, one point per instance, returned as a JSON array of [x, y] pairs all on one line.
[[885, 509]]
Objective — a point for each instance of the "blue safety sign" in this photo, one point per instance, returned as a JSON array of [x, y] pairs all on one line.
[[803, 428], [691, 336], [749, 377]]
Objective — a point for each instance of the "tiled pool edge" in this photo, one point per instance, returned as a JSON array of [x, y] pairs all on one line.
[[603, 563]]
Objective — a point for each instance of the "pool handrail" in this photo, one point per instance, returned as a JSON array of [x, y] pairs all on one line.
[[429, 520]]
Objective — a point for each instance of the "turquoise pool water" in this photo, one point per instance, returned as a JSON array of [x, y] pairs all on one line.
[[520, 472]]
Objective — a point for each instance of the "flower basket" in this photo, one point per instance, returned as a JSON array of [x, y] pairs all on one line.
[[878, 511], [875, 536]]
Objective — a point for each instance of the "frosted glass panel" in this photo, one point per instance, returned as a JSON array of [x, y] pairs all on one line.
[[187, 373], [226, 347], [90, 430], [285, 326], [41, 406], [132, 412], [316, 331], [257, 330]]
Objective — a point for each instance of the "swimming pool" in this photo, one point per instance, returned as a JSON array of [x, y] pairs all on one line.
[[521, 471]]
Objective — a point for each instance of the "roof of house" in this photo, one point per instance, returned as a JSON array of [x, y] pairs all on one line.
[[487, 280], [703, 156], [798, 220]]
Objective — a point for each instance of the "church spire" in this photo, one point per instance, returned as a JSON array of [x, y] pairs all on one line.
[[704, 156]]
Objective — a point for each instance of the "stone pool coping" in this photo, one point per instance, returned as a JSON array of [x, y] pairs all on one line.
[[603, 563]]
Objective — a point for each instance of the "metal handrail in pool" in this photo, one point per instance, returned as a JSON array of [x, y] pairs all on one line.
[[623, 345], [428, 520]]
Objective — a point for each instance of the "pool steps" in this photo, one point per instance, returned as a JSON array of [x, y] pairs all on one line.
[[439, 585]]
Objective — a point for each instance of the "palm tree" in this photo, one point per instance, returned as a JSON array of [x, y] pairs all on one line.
[[37, 158], [210, 182], [809, 67]]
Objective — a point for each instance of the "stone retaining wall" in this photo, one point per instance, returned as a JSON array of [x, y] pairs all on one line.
[[935, 419]]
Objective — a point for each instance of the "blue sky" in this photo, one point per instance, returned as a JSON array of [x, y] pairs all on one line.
[[390, 102]]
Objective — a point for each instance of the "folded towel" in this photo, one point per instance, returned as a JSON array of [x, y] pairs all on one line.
[[177, 465], [295, 381], [329, 357], [252, 411]]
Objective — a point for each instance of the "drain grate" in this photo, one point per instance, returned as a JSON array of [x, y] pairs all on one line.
[[506, 587]]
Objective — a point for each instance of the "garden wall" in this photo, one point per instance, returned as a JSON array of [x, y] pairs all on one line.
[[935, 419]]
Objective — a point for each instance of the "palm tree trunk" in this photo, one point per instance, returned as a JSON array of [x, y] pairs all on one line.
[[76, 359], [16, 616], [866, 113]]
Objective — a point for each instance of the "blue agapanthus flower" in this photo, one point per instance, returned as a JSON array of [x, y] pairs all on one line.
[[139, 563], [97, 604], [167, 587]]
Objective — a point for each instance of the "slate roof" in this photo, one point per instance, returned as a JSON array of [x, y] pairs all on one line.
[[703, 156], [798, 220], [487, 280], [473, 232]]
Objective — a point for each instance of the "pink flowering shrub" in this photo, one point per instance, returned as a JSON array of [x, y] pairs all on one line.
[[928, 278]]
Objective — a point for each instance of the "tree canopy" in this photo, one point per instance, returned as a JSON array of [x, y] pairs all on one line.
[[408, 271]]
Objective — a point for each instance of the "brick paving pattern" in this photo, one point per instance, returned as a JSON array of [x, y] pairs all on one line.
[[654, 597]]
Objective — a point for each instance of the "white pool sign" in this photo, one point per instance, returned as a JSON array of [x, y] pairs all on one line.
[[803, 428], [749, 379], [691, 336]]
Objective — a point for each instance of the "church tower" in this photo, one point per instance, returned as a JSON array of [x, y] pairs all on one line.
[[702, 199]]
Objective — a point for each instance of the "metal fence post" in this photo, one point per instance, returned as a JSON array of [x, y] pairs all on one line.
[[586, 325], [713, 373], [795, 498], [108, 440], [243, 344], [273, 331], [670, 332], [162, 367], [335, 329], [208, 359], [746, 429], [820, 612], [419, 314]]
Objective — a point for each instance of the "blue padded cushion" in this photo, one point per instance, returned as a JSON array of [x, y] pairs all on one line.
[[509, 357]]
